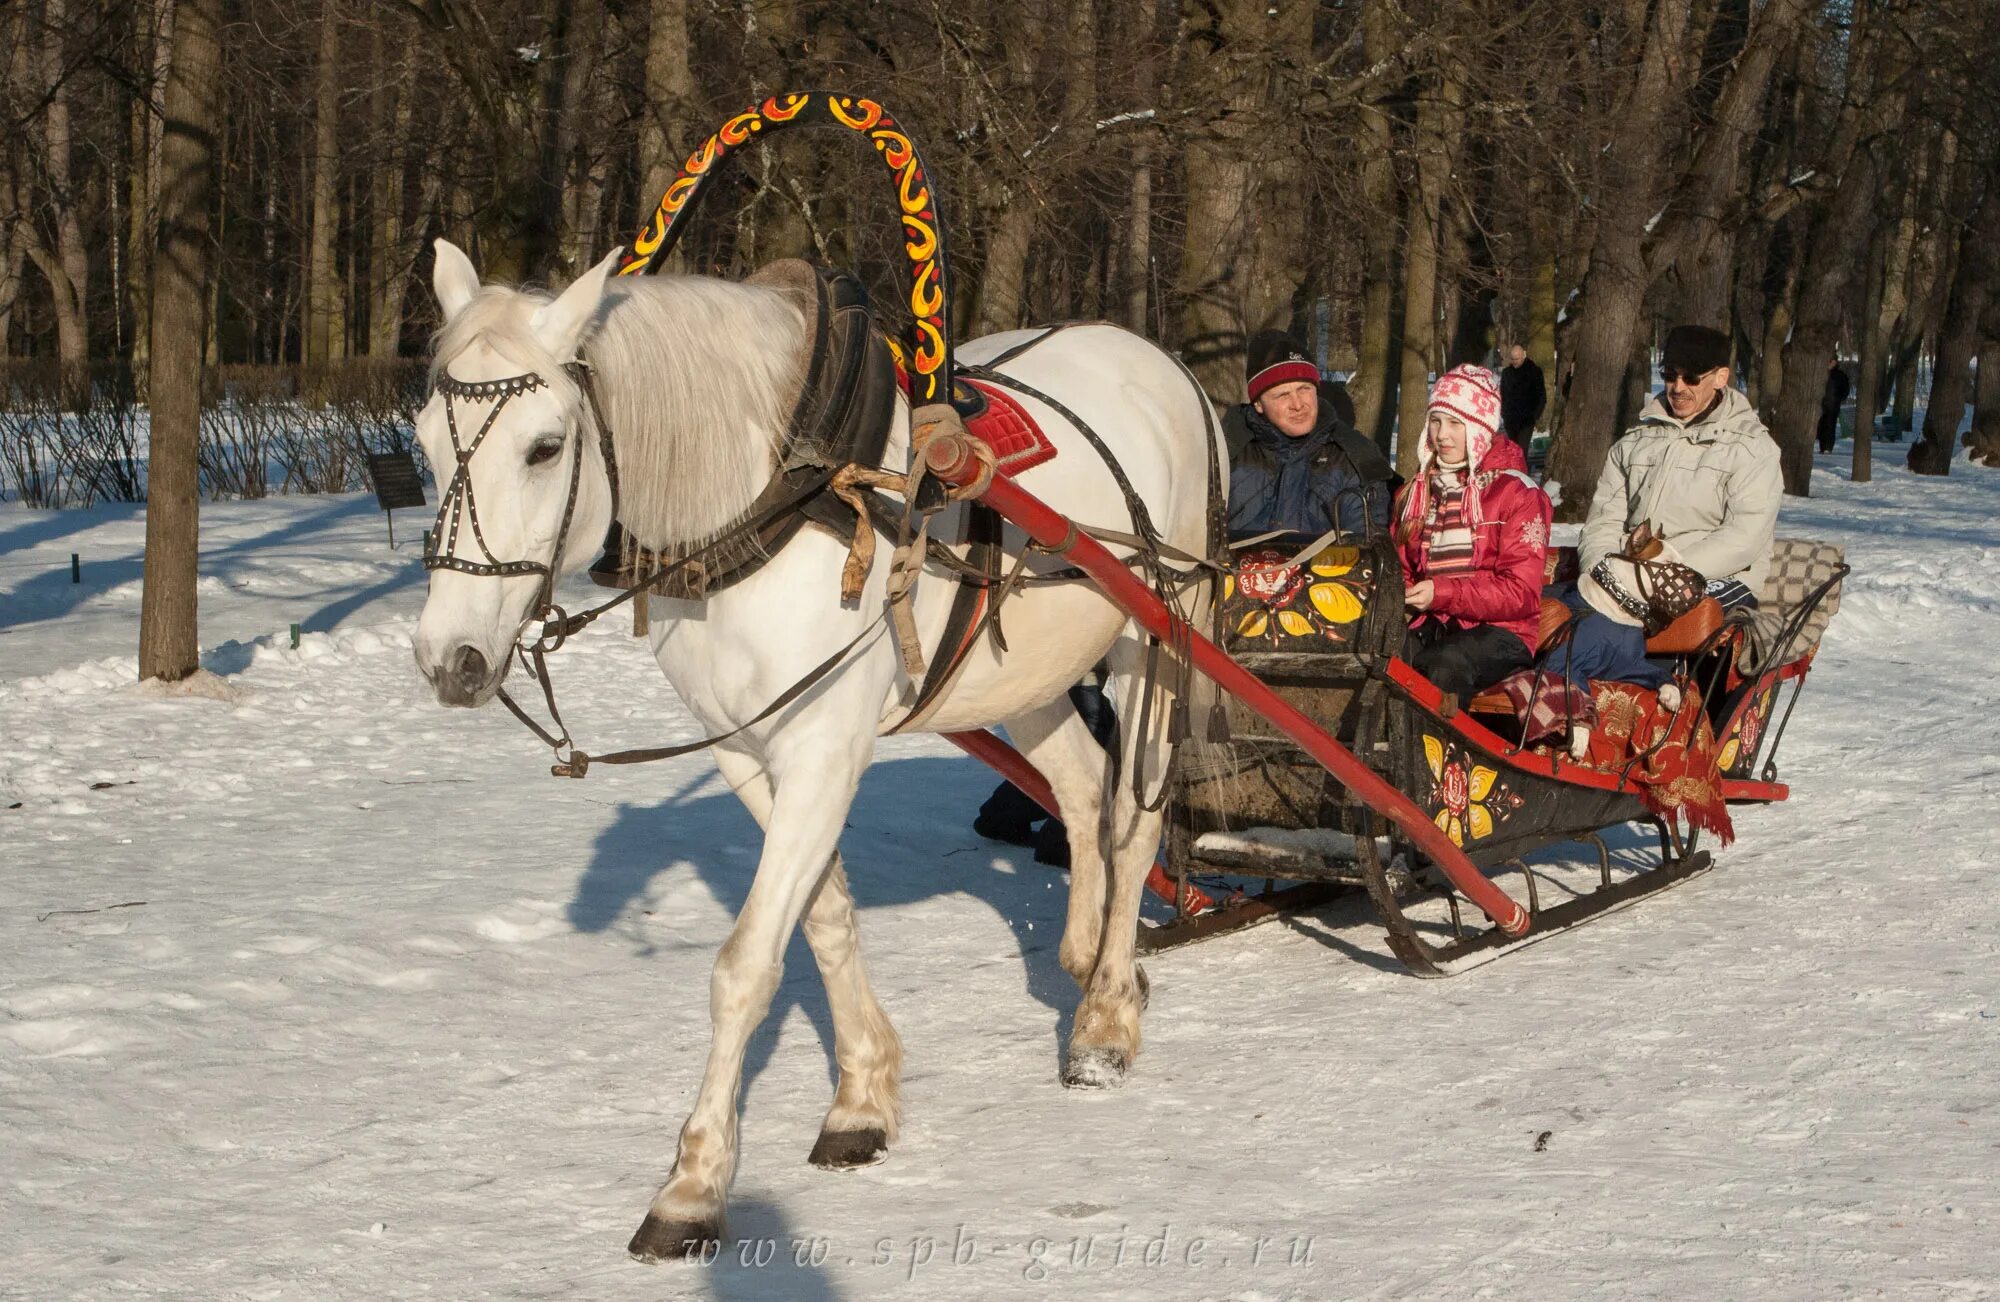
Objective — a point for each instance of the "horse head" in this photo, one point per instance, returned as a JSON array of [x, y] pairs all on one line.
[[524, 491]]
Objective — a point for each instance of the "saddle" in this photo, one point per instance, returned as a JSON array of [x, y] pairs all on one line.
[[842, 415]]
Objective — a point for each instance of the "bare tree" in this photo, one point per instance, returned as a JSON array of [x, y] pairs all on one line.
[[1958, 340], [169, 645], [1644, 223]]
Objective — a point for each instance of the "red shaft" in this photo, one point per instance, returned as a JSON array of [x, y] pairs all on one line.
[[1013, 766], [950, 458]]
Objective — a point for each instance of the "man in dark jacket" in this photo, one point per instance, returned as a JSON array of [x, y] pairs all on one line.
[[1523, 395], [1293, 464], [1830, 400]]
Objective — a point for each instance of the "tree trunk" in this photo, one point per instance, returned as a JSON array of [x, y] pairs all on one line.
[[1792, 412], [1139, 238], [1984, 436], [169, 646], [1769, 376], [1010, 207], [517, 226], [1373, 387], [388, 261], [13, 252], [579, 179], [67, 265], [1221, 179], [663, 126], [1951, 379], [1437, 122], [1276, 266], [1906, 389], [321, 340], [1868, 383]]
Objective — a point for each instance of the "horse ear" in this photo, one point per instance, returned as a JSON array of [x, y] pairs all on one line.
[[452, 278], [561, 325]]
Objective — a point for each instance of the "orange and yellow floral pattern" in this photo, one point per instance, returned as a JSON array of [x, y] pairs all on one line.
[[928, 351], [1468, 801], [1268, 600]]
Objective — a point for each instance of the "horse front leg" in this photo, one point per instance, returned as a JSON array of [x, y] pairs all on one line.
[[862, 1121], [806, 813]]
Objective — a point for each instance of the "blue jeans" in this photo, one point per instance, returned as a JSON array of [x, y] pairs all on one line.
[[1602, 648]]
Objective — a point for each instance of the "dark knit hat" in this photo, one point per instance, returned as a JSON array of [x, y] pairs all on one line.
[[1694, 350], [1277, 358]]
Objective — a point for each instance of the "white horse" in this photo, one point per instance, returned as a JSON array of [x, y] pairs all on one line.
[[696, 378]]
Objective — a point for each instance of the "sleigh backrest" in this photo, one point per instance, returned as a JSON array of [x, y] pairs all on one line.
[[1783, 629]]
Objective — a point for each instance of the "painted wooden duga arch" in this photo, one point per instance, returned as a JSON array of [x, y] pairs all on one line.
[[926, 350]]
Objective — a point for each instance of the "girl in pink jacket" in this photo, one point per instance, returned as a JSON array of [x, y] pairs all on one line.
[[1473, 532]]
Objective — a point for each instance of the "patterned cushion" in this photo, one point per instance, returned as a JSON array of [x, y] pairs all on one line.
[[1798, 567]]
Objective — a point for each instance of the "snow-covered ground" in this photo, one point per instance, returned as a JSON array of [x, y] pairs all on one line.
[[323, 991]]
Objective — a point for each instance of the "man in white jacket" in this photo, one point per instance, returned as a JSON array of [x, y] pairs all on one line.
[[1701, 467]]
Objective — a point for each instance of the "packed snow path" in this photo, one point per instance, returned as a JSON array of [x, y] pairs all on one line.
[[323, 991]]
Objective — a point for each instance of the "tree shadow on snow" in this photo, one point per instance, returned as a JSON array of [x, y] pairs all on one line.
[[909, 838], [51, 594]]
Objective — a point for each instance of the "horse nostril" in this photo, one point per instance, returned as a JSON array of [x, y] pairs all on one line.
[[469, 668]]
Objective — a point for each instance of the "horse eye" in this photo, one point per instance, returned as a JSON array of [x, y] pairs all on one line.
[[544, 450]]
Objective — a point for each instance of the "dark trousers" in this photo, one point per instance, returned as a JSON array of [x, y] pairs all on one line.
[[1465, 661], [1829, 427], [1599, 647], [1008, 815]]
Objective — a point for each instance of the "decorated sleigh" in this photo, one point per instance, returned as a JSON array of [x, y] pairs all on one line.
[[1250, 803], [1325, 764]]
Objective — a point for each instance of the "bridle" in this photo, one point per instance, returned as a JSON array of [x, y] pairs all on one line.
[[457, 506]]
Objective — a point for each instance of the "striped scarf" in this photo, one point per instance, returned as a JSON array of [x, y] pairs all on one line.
[[1447, 530]]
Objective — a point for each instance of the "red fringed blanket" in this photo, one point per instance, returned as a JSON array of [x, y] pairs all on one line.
[[1672, 756], [1671, 753]]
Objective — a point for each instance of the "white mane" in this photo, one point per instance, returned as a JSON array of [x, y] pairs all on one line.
[[697, 378]]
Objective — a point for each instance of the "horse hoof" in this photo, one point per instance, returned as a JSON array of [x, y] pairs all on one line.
[[1096, 1069], [659, 1240], [848, 1150]]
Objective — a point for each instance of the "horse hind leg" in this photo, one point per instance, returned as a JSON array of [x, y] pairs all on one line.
[[1056, 741], [1105, 1039], [861, 1124]]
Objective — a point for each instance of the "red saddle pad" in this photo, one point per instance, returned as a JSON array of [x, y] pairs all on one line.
[[1005, 426]]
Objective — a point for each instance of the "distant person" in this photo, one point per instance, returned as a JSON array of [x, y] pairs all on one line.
[[1294, 463], [1523, 395], [1837, 386], [1333, 395]]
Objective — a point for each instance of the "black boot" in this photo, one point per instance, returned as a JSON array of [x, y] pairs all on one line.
[[1008, 816], [1052, 844]]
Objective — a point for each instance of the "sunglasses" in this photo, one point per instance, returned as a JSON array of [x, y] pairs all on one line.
[[1669, 374]]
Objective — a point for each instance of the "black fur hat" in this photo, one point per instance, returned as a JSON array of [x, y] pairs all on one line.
[[1694, 350]]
